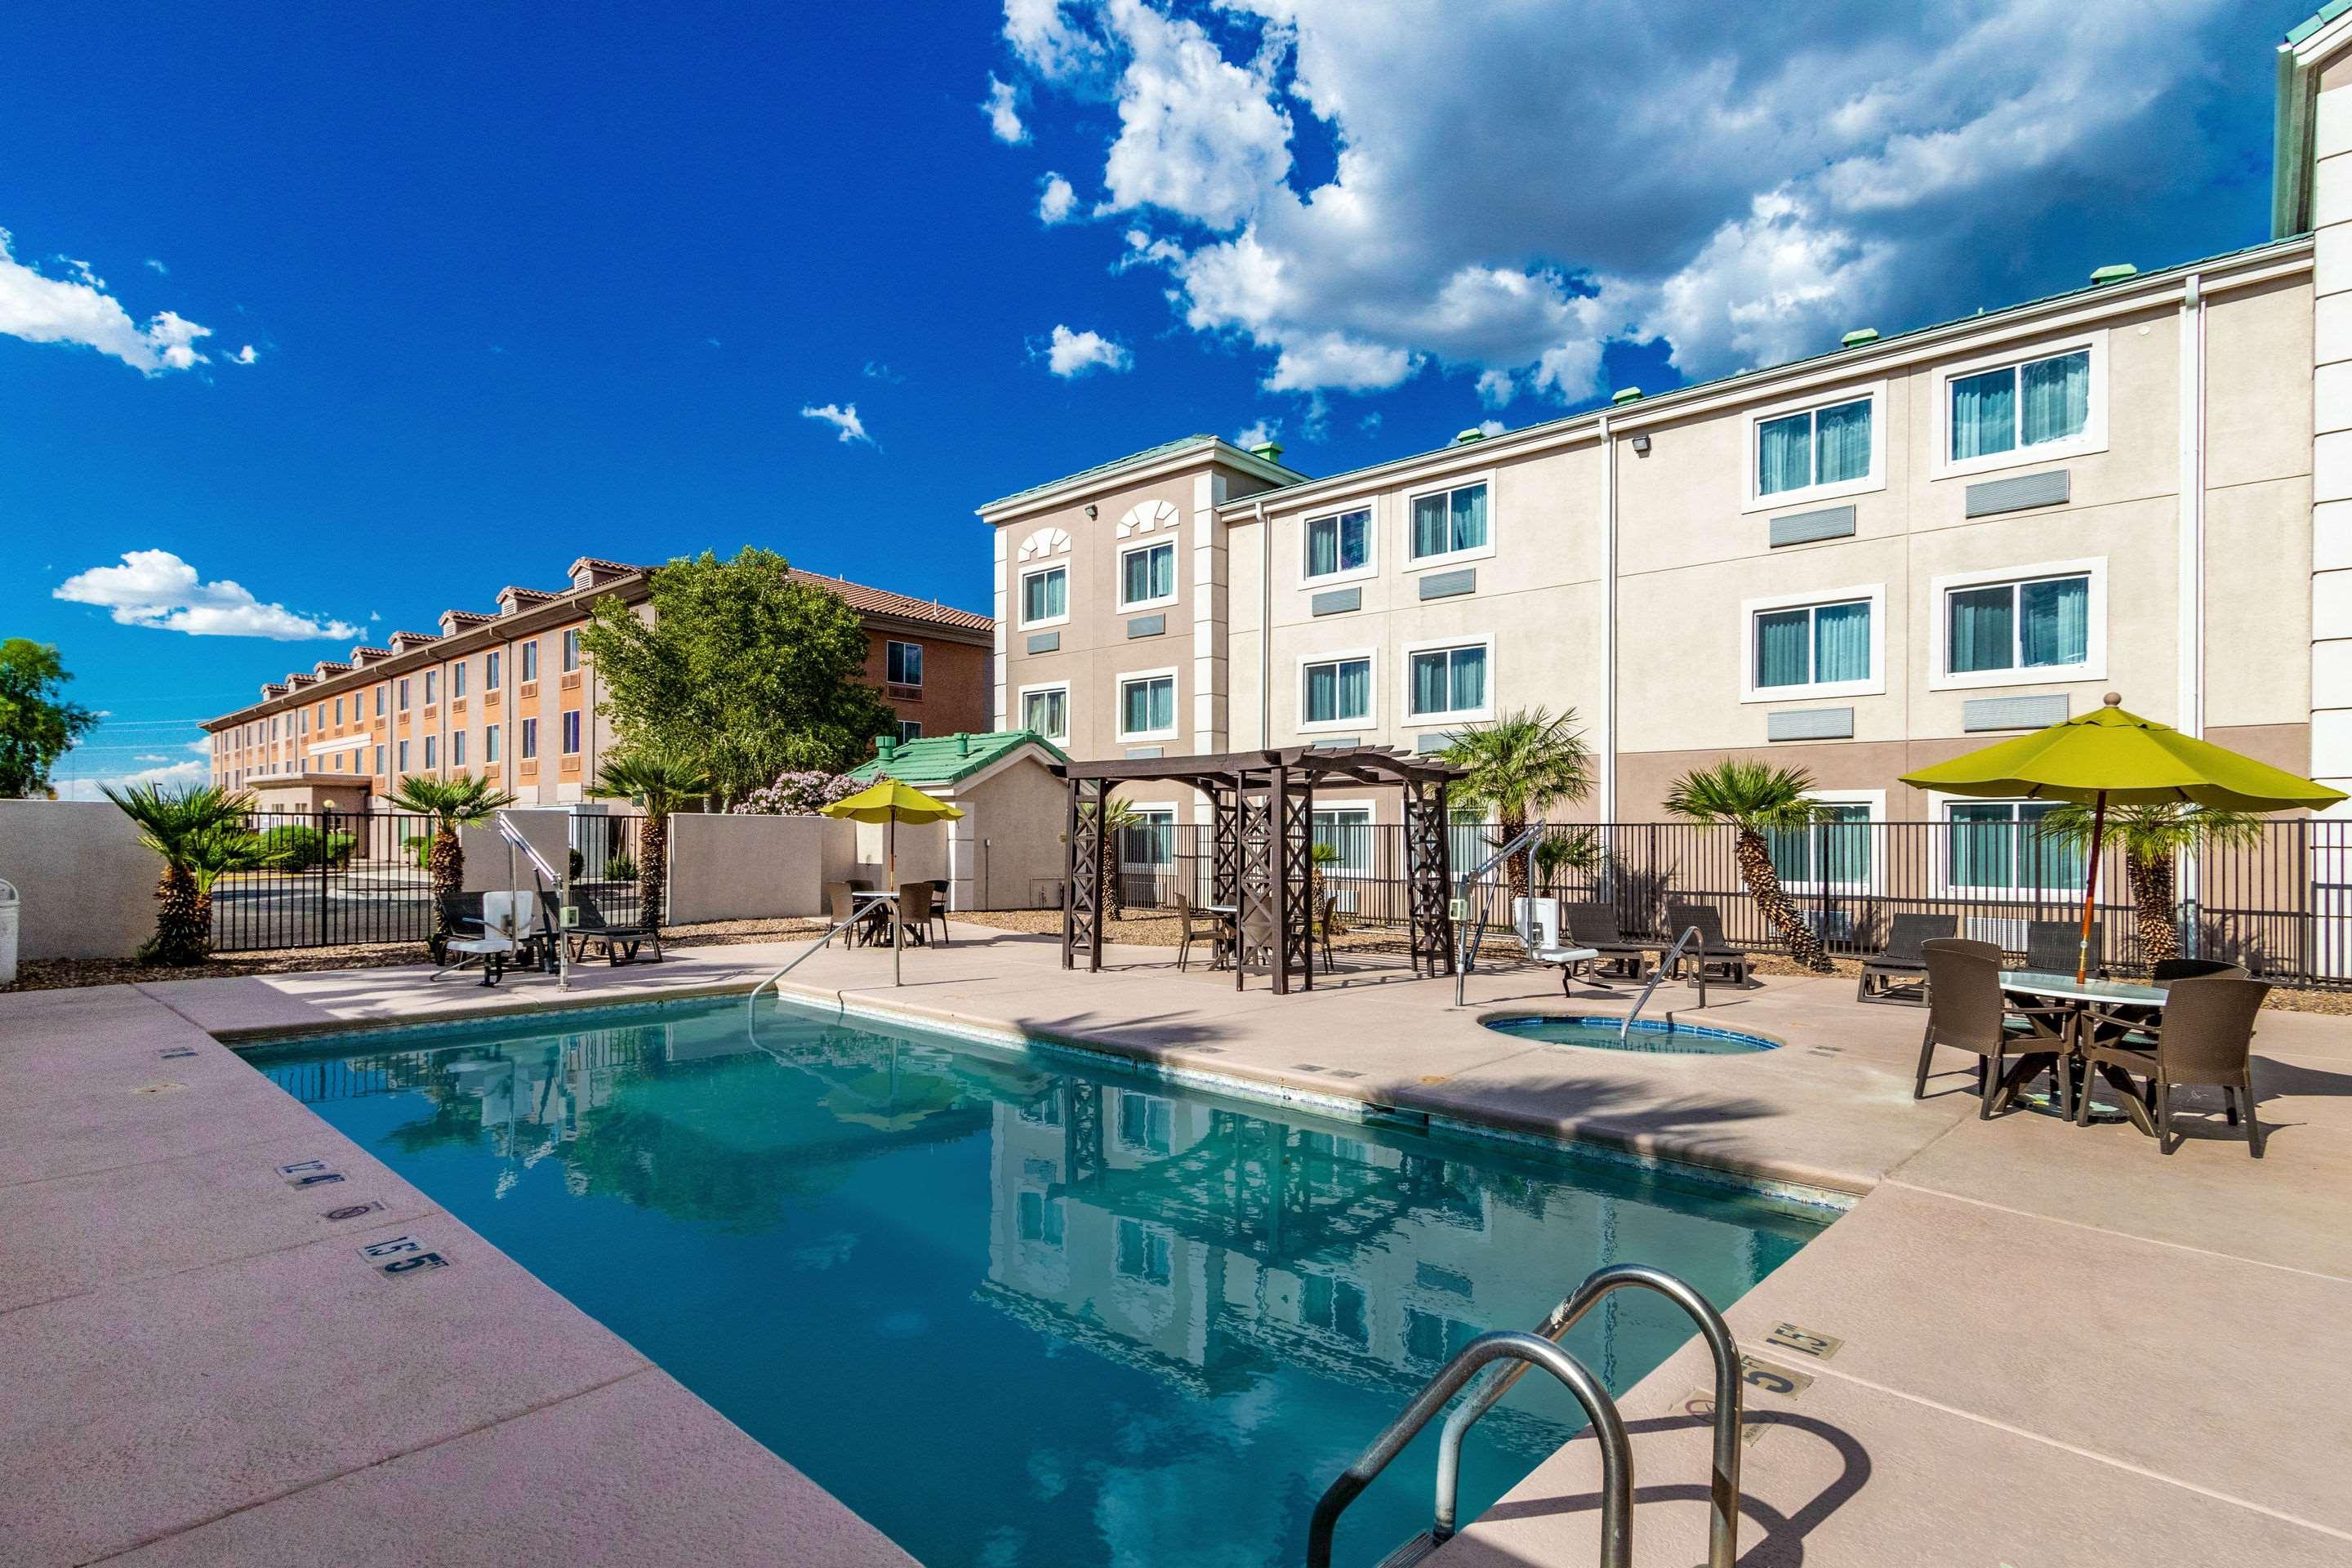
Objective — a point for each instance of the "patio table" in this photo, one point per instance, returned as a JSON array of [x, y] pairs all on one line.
[[2079, 997]]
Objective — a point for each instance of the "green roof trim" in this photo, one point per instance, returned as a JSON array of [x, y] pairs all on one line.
[[950, 759], [2317, 19], [1136, 459]]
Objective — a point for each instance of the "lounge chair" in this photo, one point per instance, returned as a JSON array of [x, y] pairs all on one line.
[[619, 943], [1595, 926], [1899, 971], [502, 936], [1219, 935], [1967, 1010], [1713, 953], [2052, 946], [2205, 1036], [1537, 920]]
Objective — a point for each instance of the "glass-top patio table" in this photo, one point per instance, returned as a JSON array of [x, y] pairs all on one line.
[[2079, 998]]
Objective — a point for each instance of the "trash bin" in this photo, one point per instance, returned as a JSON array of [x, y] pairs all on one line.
[[9, 904]]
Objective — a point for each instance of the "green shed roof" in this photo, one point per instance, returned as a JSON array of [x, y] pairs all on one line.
[[950, 759]]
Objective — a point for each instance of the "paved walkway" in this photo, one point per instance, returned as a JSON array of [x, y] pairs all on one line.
[[2057, 1347]]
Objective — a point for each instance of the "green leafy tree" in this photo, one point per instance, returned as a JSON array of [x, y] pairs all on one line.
[[661, 783], [2151, 839], [37, 725], [200, 833], [452, 803], [1521, 764], [1755, 799], [741, 670]]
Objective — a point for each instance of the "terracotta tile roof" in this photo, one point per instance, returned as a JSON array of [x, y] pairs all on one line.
[[365, 653], [333, 667], [540, 594], [476, 616], [416, 636], [882, 602]]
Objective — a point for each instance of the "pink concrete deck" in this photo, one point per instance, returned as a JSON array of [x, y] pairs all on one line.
[[2059, 1347]]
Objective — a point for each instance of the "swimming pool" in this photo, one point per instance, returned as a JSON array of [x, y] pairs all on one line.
[[1015, 1308], [1653, 1037]]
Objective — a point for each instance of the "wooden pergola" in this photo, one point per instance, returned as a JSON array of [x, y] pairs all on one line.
[[1263, 803]]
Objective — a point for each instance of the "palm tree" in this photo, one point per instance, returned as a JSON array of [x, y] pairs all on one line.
[[1754, 799], [200, 833], [1577, 849], [661, 781], [452, 803], [1520, 764], [2151, 837]]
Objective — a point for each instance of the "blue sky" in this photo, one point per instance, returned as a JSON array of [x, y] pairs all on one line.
[[515, 289]]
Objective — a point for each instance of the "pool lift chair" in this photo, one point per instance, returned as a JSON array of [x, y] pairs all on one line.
[[1536, 921], [1542, 1348], [515, 928]]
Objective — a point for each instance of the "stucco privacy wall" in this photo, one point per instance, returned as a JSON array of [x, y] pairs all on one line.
[[87, 883], [725, 868]]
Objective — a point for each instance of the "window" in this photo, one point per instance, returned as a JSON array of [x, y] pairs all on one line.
[[1801, 454], [1144, 1252], [1147, 576], [400, 752], [1150, 841], [305, 717], [1837, 847], [432, 687], [1997, 846], [572, 731], [1336, 691], [2032, 624], [489, 743], [457, 749], [490, 671], [1998, 415], [1450, 524], [1147, 706], [1145, 1122], [458, 679], [1046, 709], [379, 706], [903, 663], [1348, 830], [571, 648], [1339, 545], [339, 710], [1831, 645], [1040, 1219], [1045, 596], [531, 737], [530, 661], [323, 714], [432, 754], [1334, 1305], [404, 695], [1431, 1336], [1447, 682], [909, 730], [379, 761]]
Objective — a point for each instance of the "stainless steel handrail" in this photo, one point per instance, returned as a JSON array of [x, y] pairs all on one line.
[[1659, 974], [1723, 1527], [1616, 1452], [855, 914], [1466, 946]]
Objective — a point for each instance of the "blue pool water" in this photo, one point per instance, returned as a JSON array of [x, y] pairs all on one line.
[[1652, 1035], [1012, 1308]]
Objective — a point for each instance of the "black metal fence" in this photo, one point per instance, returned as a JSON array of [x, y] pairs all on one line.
[[344, 878], [2280, 906]]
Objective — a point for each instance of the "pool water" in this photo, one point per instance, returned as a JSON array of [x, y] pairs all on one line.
[[1011, 1308], [1653, 1036]]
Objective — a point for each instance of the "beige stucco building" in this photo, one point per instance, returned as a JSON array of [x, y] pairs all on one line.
[[1858, 563]]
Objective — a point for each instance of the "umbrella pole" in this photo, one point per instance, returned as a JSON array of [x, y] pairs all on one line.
[[2091, 889], [898, 923]]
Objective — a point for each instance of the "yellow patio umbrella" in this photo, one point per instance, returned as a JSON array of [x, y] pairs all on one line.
[[887, 800], [2112, 757]]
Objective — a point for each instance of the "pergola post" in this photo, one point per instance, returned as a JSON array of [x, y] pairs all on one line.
[[1299, 878], [1082, 882], [1277, 852], [1429, 849]]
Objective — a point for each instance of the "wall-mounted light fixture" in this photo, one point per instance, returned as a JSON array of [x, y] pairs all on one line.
[[1090, 510], [1641, 446]]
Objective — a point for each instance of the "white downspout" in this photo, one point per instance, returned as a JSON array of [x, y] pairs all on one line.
[[1608, 623], [1264, 628]]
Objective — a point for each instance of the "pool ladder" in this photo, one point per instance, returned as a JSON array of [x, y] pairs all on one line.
[[1542, 1348], [1666, 967]]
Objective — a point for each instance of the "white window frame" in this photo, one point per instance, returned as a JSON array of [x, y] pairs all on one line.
[[1456, 716], [1372, 717], [1020, 708], [1460, 481], [490, 753], [909, 730], [1875, 479], [1370, 506], [2094, 643], [2094, 438], [1372, 819], [1874, 685], [1940, 870], [1165, 811], [1875, 799], [1128, 678], [571, 736], [1175, 574], [890, 643], [1022, 601]]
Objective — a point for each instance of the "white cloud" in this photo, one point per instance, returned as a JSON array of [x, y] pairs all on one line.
[[1259, 434], [843, 417], [1003, 115], [150, 757], [1510, 193], [156, 588], [40, 309], [1067, 353], [170, 776], [1491, 427], [245, 355], [161, 269], [876, 371], [1056, 198]]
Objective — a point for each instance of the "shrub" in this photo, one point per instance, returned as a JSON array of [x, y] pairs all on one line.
[[300, 849], [798, 794], [420, 846], [620, 868]]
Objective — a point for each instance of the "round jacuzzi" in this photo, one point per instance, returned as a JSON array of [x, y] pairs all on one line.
[[1655, 1036]]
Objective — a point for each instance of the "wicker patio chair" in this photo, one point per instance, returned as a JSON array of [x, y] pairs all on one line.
[[913, 914], [1713, 953], [2204, 1036], [1967, 1012], [1218, 934], [2052, 946], [1899, 971]]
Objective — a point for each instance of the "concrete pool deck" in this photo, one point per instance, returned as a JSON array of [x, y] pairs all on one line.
[[2057, 1346]]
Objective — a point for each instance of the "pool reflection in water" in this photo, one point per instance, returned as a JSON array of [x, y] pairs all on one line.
[[1012, 1310]]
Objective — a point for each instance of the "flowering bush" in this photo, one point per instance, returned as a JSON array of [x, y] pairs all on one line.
[[798, 794]]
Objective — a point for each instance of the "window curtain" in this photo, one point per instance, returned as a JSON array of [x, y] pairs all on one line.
[[1845, 845], [1429, 525], [1161, 697], [1136, 701], [1980, 634], [1139, 576], [1429, 683], [1469, 678], [1841, 442], [1793, 853], [1044, 595], [2055, 397], [1983, 852], [1323, 547], [1322, 693], [1984, 414], [1355, 683], [2058, 865], [1780, 649], [1163, 559], [1469, 506], [1842, 641], [2055, 620], [1784, 454]]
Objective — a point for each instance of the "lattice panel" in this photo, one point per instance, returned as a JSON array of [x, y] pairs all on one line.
[[1431, 873], [1257, 872], [1298, 889], [1082, 903]]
